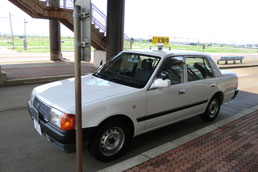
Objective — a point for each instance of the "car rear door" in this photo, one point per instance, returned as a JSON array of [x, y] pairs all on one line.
[[200, 85]]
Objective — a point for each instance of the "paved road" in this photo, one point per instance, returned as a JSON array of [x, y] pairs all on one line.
[[10, 56], [22, 149]]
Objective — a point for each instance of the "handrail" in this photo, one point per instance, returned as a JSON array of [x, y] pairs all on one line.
[[98, 10], [67, 4], [99, 24]]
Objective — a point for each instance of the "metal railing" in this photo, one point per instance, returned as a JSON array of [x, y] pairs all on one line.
[[98, 18], [66, 4]]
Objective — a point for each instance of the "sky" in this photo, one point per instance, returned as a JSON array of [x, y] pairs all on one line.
[[222, 21]]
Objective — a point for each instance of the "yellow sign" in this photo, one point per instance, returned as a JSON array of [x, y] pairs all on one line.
[[160, 40]]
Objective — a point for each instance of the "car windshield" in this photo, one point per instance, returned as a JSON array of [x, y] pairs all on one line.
[[129, 69]]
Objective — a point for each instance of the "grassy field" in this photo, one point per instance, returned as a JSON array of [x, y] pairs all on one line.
[[199, 48], [36, 44], [41, 45]]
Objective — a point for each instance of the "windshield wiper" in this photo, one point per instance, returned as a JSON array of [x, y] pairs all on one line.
[[99, 76], [119, 80], [135, 82], [114, 79], [106, 77]]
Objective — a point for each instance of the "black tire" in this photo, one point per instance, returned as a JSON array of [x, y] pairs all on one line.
[[110, 140], [212, 109]]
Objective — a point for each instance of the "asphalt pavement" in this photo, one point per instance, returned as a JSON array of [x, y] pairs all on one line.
[[23, 149]]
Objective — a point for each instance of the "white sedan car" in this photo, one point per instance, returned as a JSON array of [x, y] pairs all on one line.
[[133, 93]]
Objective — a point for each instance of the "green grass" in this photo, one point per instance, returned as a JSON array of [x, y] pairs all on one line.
[[33, 50], [42, 49], [41, 45], [214, 49], [199, 48], [35, 44], [33, 41]]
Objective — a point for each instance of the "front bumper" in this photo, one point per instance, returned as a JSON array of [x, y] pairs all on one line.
[[64, 140]]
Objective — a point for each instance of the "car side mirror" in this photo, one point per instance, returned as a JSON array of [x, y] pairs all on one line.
[[160, 83]]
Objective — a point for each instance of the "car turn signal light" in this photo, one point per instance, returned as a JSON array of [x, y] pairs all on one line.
[[68, 122]]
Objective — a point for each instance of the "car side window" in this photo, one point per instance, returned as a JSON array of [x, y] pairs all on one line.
[[198, 68], [172, 69]]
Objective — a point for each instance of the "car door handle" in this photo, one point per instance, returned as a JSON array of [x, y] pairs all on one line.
[[213, 85], [181, 91]]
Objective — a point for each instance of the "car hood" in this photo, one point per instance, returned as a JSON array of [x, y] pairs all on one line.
[[61, 94]]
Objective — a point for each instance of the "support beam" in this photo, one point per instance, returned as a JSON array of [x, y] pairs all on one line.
[[115, 27], [55, 40], [55, 35]]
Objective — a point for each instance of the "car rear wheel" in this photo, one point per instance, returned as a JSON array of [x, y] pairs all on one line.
[[110, 140], [212, 110]]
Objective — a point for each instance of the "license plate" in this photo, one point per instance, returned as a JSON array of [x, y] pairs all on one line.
[[35, 114], [37, 126]]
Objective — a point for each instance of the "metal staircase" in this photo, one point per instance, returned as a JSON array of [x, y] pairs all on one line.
[[64, 13]]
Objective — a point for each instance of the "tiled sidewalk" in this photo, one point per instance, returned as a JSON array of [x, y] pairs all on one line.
[[233, 147]]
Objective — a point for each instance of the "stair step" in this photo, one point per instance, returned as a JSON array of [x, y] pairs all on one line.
[[97, 29], [93, 26], [102, 34], [43, 4], [36, 9]]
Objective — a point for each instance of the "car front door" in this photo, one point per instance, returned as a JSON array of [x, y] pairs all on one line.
[[165, 105]]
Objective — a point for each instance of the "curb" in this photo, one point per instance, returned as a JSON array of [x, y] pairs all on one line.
[[15, 82], [145, 156]]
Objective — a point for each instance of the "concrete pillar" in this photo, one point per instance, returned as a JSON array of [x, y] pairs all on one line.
[[115, 27], [55, 35]]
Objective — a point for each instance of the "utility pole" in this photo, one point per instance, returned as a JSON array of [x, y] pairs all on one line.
[[82, 46], [25, 37], [78, 99], [10, 18]]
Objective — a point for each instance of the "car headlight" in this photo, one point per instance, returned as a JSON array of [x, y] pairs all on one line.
[[62, 120], [55, 117]]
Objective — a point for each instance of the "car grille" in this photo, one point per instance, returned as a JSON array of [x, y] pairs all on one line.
[[42, 108]]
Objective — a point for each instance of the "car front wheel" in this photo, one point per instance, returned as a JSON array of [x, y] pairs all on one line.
[[212, 110], [110, 140]]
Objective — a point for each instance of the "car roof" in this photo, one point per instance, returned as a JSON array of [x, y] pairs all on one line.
[[165, 53]]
